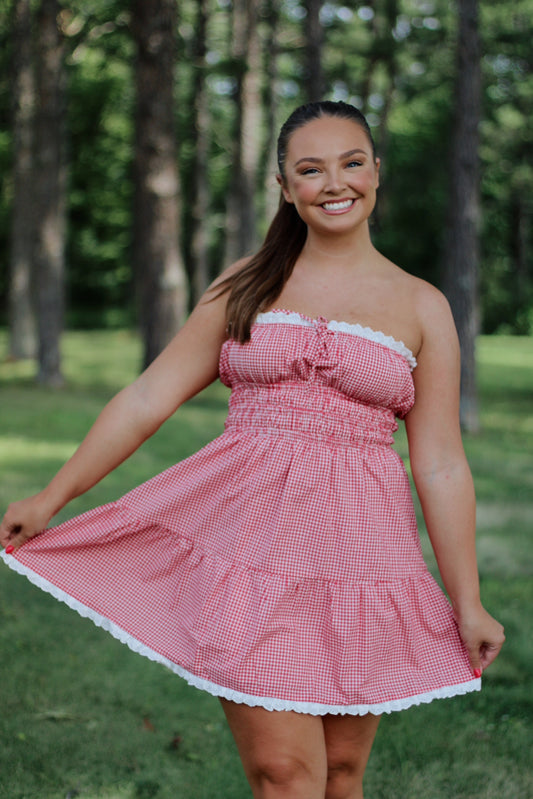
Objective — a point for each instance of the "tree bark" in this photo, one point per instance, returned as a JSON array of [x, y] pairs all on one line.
[[50, 192], [314, 39], [270, 70], [22, 327], [241, 213], [520, 229], [200, 184], [461, 253], [159, 269]]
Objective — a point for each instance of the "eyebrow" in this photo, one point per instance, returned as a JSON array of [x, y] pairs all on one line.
[[314, 160]]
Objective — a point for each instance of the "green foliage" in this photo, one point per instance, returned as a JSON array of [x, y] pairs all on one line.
[[395, 59], [508, 172], [100, 142], [82, 715]]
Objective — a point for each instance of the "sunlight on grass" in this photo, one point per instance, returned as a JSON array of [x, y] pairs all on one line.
[[18, 450]]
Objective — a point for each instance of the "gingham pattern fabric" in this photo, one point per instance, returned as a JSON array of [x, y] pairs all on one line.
[[279, 566]]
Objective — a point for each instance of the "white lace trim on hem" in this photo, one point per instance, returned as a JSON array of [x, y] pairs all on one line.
[[295, 318], [268, 703]]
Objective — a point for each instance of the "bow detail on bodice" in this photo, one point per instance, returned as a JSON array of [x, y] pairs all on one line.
[[320, 352]]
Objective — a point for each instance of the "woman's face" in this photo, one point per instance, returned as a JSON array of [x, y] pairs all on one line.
[[331, 176]]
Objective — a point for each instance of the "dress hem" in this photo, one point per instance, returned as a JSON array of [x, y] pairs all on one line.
[[222, 692]]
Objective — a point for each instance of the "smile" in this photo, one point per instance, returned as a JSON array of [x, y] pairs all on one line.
[[337, 206]]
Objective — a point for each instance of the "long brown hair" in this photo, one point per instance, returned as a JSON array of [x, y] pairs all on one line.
[[259, 283]]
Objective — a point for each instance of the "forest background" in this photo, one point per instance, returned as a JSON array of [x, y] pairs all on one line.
[[188, 97]]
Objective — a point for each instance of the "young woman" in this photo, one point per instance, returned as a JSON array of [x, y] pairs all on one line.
[[279, 568]]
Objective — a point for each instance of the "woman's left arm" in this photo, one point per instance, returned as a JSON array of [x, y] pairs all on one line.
[[442, 476]]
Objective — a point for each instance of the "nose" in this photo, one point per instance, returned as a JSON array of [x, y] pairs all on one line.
[[334, 180]]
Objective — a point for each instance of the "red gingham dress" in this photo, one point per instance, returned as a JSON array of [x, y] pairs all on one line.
[[279, 566]]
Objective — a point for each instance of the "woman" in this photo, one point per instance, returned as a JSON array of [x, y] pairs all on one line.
[[279, 568]]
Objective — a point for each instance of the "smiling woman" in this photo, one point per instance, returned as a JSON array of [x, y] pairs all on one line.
[[279, 568], [337, 182]]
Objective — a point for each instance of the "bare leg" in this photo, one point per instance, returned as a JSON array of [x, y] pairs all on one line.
[[349, 740], [283, 753]]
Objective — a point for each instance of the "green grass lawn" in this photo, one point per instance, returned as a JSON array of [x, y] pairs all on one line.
[[81, 715]]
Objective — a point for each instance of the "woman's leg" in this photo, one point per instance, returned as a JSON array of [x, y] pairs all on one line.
[[349, 740], [283, 753]]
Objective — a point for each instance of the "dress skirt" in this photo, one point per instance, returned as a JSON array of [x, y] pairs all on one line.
[[279, 566]]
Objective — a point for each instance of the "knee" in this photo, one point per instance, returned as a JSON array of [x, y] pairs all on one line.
[[345, 780], [284, 772]]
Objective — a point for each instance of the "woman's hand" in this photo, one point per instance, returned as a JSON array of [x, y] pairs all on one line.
[[24, 520], [482, 636]]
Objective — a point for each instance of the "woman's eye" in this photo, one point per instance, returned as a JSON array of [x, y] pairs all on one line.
[[354, 163], [311, 170]]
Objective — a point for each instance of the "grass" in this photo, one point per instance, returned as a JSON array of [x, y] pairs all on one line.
[[81, 715]]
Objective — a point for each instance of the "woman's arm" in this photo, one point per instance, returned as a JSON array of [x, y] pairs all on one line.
[[442, 477], [185, 367]]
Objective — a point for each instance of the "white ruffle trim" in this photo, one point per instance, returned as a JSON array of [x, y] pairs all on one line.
[[266, 702], [354, 329]]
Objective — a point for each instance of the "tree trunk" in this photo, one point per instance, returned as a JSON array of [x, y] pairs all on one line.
[[160, 274], [270, 70], [241, 214], [314, 38], [200, 181], [520, 225], [386, 45], [461, 254], [22, 328], [49, 192]]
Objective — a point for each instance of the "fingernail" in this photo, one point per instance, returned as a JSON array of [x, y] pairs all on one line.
[[477, 673], [9, 549]]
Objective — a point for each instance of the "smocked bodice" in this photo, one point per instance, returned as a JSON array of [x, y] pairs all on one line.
[[319, 378]]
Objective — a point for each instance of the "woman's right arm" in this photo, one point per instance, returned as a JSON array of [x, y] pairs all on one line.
[[186, 366]]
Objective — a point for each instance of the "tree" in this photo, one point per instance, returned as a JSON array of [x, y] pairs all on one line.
[[461, 252], [507, 174], [394, 59], [314, 83], [241, 218], [22, 330], [160, 274], [49, 192], [100, 57], [200, 183], [269, 164]]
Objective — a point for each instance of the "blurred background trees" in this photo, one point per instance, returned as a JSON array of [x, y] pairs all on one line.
[[237, 68]]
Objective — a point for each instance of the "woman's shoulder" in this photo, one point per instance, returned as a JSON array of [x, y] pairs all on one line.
[[416, 307], [426, 300], [433, 316]]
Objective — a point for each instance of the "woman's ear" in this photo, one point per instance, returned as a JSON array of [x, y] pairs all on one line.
[[378, 164], [284, 190]]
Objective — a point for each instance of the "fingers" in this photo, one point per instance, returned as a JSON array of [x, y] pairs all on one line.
[[483, 653], [15, 536], [14, 543], [475, 661], [14, 533], [483, 638], [489, 653], [12, 538], [7, 531]]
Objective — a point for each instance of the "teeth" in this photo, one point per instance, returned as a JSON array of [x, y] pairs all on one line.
[[337, 206]]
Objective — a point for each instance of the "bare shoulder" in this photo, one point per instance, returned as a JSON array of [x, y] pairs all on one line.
[[427, 301], [435, 318], [437, 374], [417, 307]]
